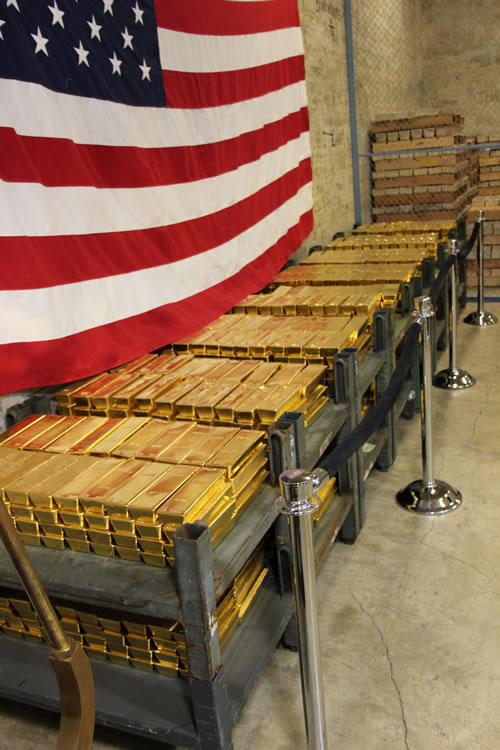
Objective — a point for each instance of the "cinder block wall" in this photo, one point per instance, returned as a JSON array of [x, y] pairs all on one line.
[[461, 60]]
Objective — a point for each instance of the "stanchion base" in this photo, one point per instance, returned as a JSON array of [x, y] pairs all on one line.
[[453, 380], [417, 497], [482, 318]]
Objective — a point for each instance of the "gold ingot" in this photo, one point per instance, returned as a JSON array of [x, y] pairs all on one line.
[[52, 529], [146, 399], [28, 527], [26, 512], [110, 443], [169, 434], [78, 546], [32, 540], [151, 545], [116, 503], [83, 395], [94, 498], [67, 498], [144, 506], [125, 540], [248, 494], [105, 428], [97, 521], [26, 430], [158, 561], [54, 542], [126, 553], [47, 515], [75, 534], [166, 403], [149, 529], [237, 451], [199, 489], [122, 525], [123, 661], [73, 518], [105, 550]]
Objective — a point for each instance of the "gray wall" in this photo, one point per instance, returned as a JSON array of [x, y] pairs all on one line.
[[461, 52]]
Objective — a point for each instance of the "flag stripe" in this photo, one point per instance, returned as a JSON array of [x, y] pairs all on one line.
[[44, 211], [113, 298], [220, 17], [100, 122], [101, 348], [57, 162], [32, 262], [218, 89], [208, 54]]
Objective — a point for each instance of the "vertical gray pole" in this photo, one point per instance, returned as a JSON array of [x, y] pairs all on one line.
[[297, 489], [479, 317], [353, 122], [453, 378], [427, 496]]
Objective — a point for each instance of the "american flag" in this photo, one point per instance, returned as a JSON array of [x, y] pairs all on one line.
[[155, 169]]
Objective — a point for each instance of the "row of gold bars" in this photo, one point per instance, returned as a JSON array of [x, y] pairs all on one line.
[[146, 645]]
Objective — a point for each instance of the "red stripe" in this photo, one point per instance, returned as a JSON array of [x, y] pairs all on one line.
[[198, 90], [47, 363], [58, 162], [35, 262], [223, 18]]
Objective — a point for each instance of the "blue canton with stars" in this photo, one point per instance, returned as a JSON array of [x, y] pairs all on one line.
[[105, 49]]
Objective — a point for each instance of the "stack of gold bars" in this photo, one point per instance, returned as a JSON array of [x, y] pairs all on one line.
[[360, 256], [123, 486], [408, 227], [145, 645], [320, 301], [346, 274], [215, 391], [426, 242]]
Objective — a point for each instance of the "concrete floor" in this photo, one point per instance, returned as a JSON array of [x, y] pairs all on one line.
[[409, 615]]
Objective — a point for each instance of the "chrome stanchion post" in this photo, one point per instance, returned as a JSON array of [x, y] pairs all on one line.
[[452, 378], [427, 496], [479, 317], [298, 502]]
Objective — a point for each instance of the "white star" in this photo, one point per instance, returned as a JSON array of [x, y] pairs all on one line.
[[57, 15], [108, 6], [138, 13], [82, 54], [41, 42], [95, 29], [115, 62], [145, 70], [1, 24], [127, 39], [14, 3]]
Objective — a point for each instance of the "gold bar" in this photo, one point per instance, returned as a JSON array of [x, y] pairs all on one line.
[[98, 433], [67, 498], [144, 506], [107, 445], [146, 399], [74, 435], [167, 435], [116, 502], [54, 542], [124, 398], [75, 534], [154, 546], [285, 375], [249, 492], [125, 553], [226, 407], [26, 512], [125, 540], [137, 364], [64, 396], [78, 546], [158, 561], [103, 549], [104, 398], [133, 446], [234, 453], [205, 442], [166, 403], [199, 489], [47, 515], [82, 396], [97, 521], [30, 428], [99, 537], [256, 461], [200, 403], [72, 518], [57, 474], [94, 497]]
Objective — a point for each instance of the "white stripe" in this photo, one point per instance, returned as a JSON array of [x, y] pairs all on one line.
[[197, 53], [38, 211], [33, 110], [54, 312]]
